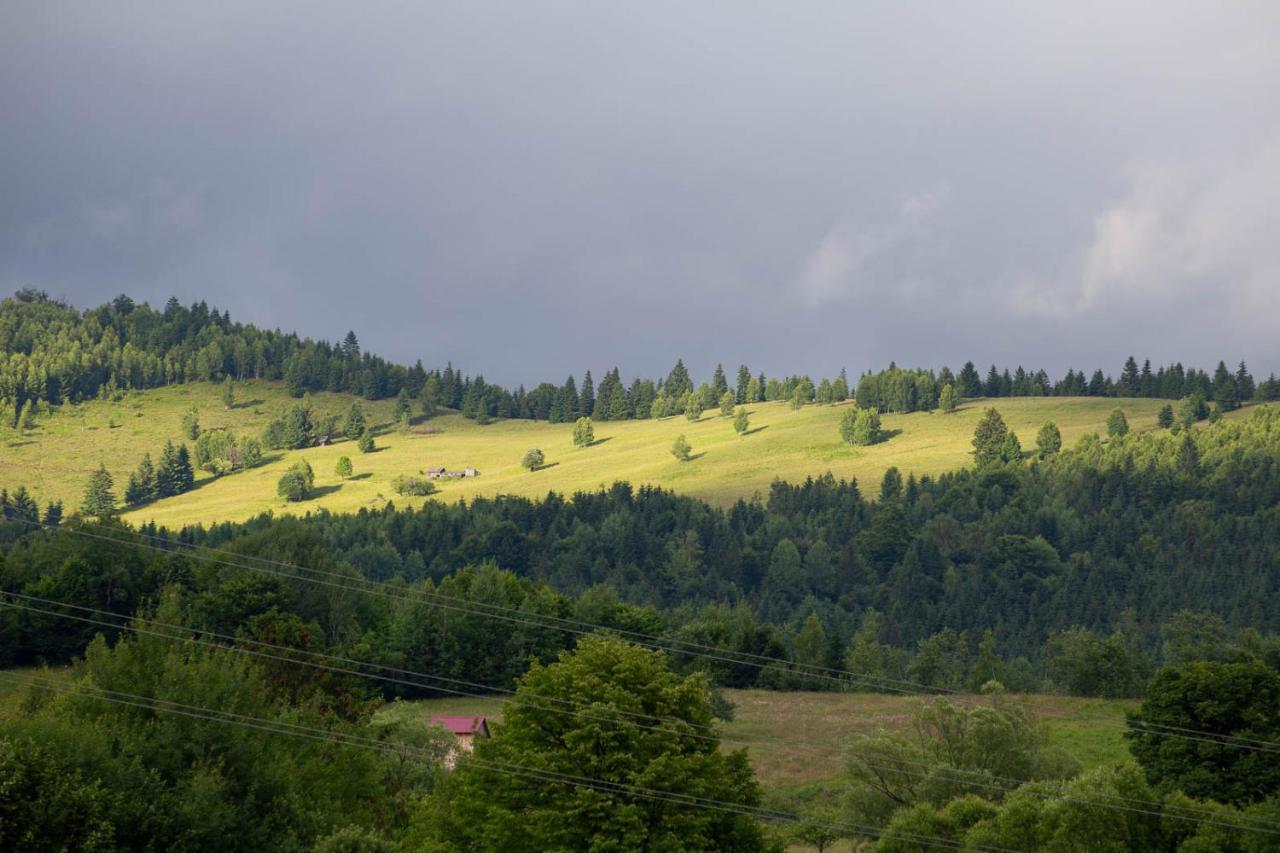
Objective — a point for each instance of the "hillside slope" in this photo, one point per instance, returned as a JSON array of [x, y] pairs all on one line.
[[55, 457]]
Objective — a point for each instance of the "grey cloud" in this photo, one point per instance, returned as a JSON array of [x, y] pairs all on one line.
[[531, 189]]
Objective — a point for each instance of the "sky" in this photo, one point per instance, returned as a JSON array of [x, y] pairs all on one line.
[[531, 189]]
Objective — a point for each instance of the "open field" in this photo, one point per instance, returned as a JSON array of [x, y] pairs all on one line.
[[796, 739], [54, 459]]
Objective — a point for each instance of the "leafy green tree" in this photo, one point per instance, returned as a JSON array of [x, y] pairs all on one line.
[[1238, 703], [191, 424], [1048, 440], [1085, 664], [584, 434], [680, 449], [365, 443], [799, 397], [692, 406], [1192, 408], [27, 418], [99, 501], [228, 393], [947, 399], [1117, 424], [741, 422], [727, 404], [755, 391], [429, 398], [988, 439], [848, 421], [483, 806], [296, 483], [1164, 420], [533, 460], [354, 426], [860, 426], [343, 468]]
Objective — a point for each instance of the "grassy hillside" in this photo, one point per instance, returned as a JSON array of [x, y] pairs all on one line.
[[54, 458], [799, 737]]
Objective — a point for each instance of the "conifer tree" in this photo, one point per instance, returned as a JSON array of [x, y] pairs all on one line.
[[587, 398], [726, 404], [99, 501], [53, 514], [678, 381], [1164, 420], [680, 449], [1011, 448], [761, 385], [404, 406], [741, 422], [840, 387], [988, 438], [1117, 424], [719, 384], [365, 443], [354, 425], [429, 396], [744, 382]]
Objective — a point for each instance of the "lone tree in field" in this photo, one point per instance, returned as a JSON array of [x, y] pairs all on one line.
[[988, 439], [1049, 440], [353, 427], [228, 393], [741, 422], [947, 399], [533, 460], [1117, 424], [297, 482], [584, 434], [727, 401], [860, 426], [680, 449], [99, 500], [365, 443], [343, 469], [1164, 420], [483, 806]]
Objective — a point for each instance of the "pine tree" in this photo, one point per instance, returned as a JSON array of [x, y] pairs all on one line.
[[1164, 420], [1011, 448], [680, 449], [404, 406], [99, 501], [988, 438], [365, 443], [351, 347], [429, 398], [840, 387], [53, 514], [142, 483], [1245, 388], [719, 384], [678, 381], [744, 382], [167, 478], [587, 398], [970, 384], [191, 424], [23, 506], [1224, 388], [1130, 380], [354, 425], [761, 385], [726, 404], [1097, 385]]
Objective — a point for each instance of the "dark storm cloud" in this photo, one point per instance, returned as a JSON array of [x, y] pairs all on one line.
[[529, 189]]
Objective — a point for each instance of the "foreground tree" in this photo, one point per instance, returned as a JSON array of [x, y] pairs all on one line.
[[584, 434], [485, 806], [533, 460], [741, 422], [680, 449], [860, 426], [1238, 701]]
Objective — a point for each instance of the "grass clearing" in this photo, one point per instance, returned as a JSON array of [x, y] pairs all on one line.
[[55, 458]]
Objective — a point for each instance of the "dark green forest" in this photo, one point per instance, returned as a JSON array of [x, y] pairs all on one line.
[[51, 352]]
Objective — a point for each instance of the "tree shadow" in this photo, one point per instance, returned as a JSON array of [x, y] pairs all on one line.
[[755, 430], [886, 434], [21, 443], [545, 466], [693, 456], [599, 441], [322, 491], [248, 404], [361, 476]]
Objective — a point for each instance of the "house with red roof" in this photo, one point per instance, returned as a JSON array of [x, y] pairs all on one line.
[[465, 729]]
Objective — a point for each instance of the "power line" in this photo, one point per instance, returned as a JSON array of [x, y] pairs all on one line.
[[604, 786], [453, 603], [959, 775]]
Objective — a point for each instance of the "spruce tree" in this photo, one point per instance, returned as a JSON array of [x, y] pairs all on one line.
[[988, 438], [587, 398], [404, 406], [1164, 420], [365, 442], [719, 384], [744, 382], [354, 425], [1011, 448], [99, 501], [678, 381], [761, 385], [53, 514]]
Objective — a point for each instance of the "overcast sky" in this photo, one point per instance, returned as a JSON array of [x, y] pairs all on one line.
[[536, 188]]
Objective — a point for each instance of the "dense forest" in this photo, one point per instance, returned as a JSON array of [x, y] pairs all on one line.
[[51, 353], [1102, 550]]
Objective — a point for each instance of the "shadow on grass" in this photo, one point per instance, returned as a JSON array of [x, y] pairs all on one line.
[[600, 441], [544, 467], [693, 456], [21, 443], [886, 434], [363, 476], [248, 404], [322, 491], [755, 430]]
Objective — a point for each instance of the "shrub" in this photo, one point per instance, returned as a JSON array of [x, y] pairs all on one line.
[[533, 460], [680, 449], [365, 443], [412, 486]]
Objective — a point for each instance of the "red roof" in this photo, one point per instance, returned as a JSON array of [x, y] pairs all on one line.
[[464, 725]]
